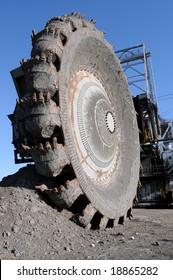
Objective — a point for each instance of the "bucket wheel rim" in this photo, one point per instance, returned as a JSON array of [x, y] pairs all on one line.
[[103, 196]]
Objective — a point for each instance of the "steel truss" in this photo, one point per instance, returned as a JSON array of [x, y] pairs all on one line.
[[156, 171]]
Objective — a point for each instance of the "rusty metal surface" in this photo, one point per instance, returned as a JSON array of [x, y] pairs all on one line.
[[93, 125]]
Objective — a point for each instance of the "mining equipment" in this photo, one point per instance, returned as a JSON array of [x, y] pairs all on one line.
[[75, 119], [156, 134]]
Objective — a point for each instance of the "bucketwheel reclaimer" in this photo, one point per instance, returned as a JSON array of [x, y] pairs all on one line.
[[75, 118]]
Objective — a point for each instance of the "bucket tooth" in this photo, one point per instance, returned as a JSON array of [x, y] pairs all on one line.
[[34, 97], [47, 145], [72, 191], [22, 61], [47, 97], [54, 143], [65, 195], [40, 147], [41, 98], [34, 33], [83, 219], [25, 147], [41, 188], [50, 162]]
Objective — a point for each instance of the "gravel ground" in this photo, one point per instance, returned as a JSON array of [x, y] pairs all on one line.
[[30, 228]]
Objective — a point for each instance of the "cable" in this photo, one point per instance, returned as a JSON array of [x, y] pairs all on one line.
[[162, 96], [163, 99]]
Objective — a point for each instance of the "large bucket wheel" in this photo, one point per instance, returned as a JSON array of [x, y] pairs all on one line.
[[95, 117]]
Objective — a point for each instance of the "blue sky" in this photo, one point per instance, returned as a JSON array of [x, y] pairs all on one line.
[[126, 22]]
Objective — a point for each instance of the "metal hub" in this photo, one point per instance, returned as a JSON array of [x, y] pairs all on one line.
[[110, 122], [105, 124], [93, 125]]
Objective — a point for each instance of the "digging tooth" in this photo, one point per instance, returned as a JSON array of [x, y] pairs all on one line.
[[40, 147], [25, 147], [41, 98], [22, 61], [34, 97], [43, 57], [54, 143], [73, 191], [41, 188], [47, 97], [84, 218], [34, 33], [51, 31], [24, 100], [47, 145], [49, 57], [37, 58], [56, 33], [65, 195], [33, 148], [27, 99], [21, 101]]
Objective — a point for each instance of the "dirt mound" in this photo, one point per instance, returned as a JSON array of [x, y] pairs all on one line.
[[32, 228]]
